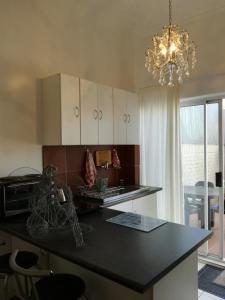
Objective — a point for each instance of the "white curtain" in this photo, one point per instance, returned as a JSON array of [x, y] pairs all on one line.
[[160, 148]]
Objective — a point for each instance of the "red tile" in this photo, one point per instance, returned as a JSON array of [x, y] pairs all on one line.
[[100, 147], [75, 158], [75, 179], [137, 154], [56, 156], [113, 175], [60, 180], [121, 151], [70, 160], [137, 175], [127, 155], [128, 175]]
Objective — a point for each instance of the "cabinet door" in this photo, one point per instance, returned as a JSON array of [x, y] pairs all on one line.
[[70, 110], [133, 119], [105, 109], [146, 206], [89, 112], [120, 116], [125, 206], [5, 243]]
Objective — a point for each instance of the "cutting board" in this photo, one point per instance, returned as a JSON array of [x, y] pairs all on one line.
[[102, 157]]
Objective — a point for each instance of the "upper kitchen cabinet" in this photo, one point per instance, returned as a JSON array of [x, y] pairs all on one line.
[[126, 117], [105, 108], [120, 116], [96, 113], [133, 119], [89, 112], [61, 110]]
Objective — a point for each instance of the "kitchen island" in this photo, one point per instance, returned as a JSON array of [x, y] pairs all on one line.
[[122, 263]]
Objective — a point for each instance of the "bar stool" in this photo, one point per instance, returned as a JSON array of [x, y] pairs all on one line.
[[50, 286], [60, 286], [26, 259]]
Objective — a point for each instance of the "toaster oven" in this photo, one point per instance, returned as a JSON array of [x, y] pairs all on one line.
[[16, 193]]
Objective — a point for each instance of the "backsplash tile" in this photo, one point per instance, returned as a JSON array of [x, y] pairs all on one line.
[[56, 156], [75, 158], [61, 179], [70, 162], [75, 179]]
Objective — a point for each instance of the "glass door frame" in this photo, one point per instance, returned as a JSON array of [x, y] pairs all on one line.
[[205, 101]]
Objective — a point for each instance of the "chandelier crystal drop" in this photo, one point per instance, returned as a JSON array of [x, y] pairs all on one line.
[[173, 54]]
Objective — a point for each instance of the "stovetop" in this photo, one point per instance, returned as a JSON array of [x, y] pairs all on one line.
[[136, 221]]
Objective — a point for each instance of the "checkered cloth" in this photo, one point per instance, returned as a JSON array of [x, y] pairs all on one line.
[[115, 159], [90, 169]]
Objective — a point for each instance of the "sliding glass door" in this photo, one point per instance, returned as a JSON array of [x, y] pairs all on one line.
[[202, 164]]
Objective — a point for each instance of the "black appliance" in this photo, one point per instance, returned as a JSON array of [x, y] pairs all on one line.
[[15, 194]]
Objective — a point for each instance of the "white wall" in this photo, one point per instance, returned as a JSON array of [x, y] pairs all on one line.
[[42, 37]]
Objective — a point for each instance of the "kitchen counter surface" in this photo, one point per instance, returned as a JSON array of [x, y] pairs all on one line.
[[127, 256], [128, 193]]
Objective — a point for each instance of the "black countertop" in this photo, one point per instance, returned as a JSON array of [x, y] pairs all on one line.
[[130, 257], [130, 192]]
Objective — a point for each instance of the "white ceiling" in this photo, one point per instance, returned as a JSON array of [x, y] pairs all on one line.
[[140, 19], [151, 15], [142, 16]]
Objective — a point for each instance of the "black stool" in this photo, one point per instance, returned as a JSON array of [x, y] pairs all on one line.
[[50, 286], [26, 259], [60, 286]]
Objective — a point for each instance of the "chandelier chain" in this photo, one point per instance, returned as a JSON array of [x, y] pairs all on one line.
[[170, 12]]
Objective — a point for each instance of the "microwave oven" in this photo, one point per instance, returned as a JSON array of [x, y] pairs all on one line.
[[16, 193]]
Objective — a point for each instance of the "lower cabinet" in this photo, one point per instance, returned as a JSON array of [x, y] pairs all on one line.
[[125, 206], [173, 286], [146, 206], [5, 243], [5, 247], [97, 286]]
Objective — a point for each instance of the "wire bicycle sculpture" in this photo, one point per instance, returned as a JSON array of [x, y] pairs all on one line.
[[49, 212]]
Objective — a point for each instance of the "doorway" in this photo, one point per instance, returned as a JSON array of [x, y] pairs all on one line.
[[202, 150]]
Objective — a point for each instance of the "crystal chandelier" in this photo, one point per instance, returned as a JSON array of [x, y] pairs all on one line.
[[172, 55]]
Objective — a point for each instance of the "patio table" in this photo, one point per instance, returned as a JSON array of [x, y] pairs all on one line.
[[194, 199]]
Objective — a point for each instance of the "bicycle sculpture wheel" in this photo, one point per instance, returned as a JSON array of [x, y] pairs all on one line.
[[49, 213]]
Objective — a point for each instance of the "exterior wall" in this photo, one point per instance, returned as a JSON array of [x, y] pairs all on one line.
[[193, 163]]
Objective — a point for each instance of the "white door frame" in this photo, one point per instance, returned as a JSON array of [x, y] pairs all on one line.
[[204, 101]]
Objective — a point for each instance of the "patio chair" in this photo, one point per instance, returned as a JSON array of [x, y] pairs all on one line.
[[213, 207]]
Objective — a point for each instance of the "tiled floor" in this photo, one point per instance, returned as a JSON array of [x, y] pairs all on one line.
[[213, 243], [206, 296], [203, 295]]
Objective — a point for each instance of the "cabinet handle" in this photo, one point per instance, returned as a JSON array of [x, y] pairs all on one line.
[[76, 111], [95, 114], [128, 121], [125, 118], [100, 114]]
